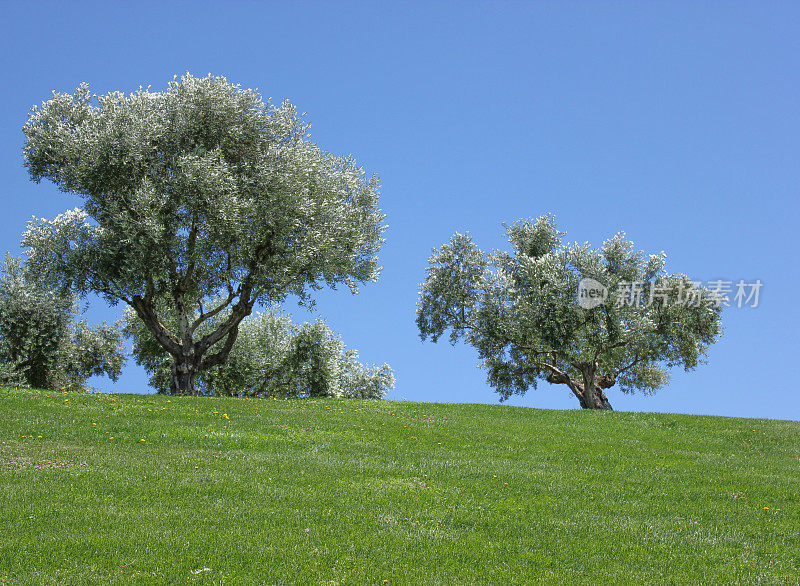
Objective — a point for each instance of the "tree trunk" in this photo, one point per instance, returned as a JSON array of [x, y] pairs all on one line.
[[595, 400], [184, 375], [593, 396]]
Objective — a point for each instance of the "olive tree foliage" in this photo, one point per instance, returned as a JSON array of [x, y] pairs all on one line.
[[42, 343], [201, 192], [272, 357], [520, 310]]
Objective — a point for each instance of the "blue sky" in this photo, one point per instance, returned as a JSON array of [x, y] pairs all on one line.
[[677, 122]]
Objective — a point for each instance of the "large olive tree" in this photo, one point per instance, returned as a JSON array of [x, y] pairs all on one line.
[[530, 319], [200, 191]]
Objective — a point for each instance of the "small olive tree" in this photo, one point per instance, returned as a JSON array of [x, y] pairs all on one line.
[[520, 310], [197, 193], [42, 344], [273, 357]]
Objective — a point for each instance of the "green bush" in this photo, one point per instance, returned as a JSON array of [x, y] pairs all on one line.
[[272, 357], [42, 344]]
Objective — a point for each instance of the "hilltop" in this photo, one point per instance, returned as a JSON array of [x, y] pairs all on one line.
[[125, 489]]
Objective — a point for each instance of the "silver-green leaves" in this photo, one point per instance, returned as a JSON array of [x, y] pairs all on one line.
[[522, 312], [195, 192], [42, 343]]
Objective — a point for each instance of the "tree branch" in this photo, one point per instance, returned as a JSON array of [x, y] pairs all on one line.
[[221, 356], [626, 368], [557, 375], [601, 351], [241, 310], [191, 244], [145, 311], [206, 316]]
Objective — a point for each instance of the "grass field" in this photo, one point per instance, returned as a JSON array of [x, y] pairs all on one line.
[[143, 489]]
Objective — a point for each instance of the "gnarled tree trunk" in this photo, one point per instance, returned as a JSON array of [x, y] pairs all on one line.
[[593, 396], [588, 391], [184, 377], [595, 399], [189, 357]]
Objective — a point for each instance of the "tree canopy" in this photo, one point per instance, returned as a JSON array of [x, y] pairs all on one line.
[[521, 311], [198, 193]]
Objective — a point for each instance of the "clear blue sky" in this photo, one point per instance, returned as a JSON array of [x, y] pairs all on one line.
[[677, 122]]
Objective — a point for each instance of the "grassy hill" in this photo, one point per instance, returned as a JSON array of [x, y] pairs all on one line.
[[138, 489]]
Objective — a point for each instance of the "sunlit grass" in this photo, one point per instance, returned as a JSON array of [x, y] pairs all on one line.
[[119, 489]]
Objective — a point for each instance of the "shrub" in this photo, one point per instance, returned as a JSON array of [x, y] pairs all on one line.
[[42, 344], [273, 357]]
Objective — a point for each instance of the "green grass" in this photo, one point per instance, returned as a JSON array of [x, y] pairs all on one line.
[[138, 489]]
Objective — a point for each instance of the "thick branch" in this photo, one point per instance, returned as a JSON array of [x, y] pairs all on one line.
[[145, 311], [558, 377], [206, 316], [221, 356], [555, 375], [241, 310]]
